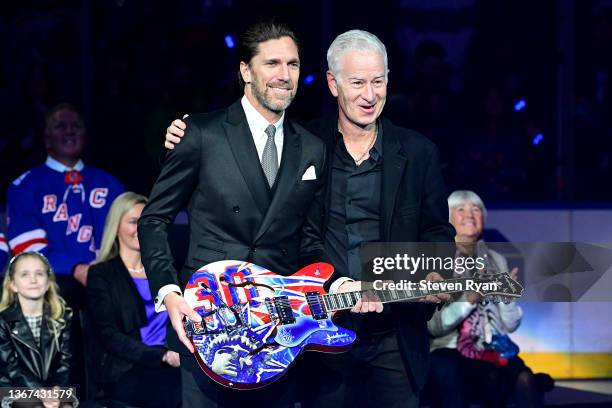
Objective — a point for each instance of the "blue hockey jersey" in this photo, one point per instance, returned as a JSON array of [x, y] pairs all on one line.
[[60, 214]]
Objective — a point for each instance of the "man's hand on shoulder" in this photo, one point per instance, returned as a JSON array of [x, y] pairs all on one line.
[[177, 309], [175, 132]]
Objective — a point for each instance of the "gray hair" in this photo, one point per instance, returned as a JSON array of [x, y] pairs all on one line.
[[459, 197], [354, 40]]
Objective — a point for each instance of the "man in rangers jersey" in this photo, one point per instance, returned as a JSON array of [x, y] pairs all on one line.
[[59, 207]]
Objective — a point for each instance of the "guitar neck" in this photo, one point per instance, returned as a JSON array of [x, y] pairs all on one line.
[[412, 291]]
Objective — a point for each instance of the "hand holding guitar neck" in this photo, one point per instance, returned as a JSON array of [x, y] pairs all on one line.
[[440, 297], [365, 304]]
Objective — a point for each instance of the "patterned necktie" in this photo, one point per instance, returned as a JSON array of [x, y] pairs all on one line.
[[269, 158]]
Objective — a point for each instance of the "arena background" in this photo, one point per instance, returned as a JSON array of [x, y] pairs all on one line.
[[517, 95]]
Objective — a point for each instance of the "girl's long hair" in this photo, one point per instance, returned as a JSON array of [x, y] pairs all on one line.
[[52, 300]]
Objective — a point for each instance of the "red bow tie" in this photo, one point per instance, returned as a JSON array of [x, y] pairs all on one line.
[[72, 177]]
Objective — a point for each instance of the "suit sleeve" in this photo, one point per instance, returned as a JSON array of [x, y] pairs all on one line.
[[312, 248], [172, 191], [434, 225], [114, 340]]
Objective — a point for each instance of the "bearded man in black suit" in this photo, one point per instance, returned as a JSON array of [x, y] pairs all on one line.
[[253, 184]]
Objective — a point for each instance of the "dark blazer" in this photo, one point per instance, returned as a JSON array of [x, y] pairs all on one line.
[[117, 313], [413, 209], [215, 172], [24, 364]]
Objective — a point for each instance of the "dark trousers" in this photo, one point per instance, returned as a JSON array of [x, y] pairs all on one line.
[[446, 386], [199, 391], [454, 381], [147, 387], [499, 384], [372, 374]]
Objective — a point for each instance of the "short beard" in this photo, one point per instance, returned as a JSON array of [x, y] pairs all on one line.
[[260, 96]]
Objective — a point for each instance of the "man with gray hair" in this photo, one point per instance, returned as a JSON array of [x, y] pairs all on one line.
[[384, 185]]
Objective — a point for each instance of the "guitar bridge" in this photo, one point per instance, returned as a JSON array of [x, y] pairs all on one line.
[[280, 310]]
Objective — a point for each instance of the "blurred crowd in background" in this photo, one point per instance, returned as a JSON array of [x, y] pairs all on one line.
[[514, 93]]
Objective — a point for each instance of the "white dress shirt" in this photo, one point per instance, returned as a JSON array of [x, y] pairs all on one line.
[[258, 124]]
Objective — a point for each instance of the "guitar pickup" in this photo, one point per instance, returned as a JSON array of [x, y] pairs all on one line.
[[315, 303], [283, 310]]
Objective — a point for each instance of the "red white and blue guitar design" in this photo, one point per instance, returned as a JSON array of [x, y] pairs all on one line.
[[255, 323]]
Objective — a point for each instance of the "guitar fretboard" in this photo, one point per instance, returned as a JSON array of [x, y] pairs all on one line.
[[346, 300]]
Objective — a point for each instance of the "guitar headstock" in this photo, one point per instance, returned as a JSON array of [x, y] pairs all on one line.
[[498, 286]]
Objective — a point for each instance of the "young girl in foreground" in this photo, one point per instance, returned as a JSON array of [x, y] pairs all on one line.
[[34, 326]]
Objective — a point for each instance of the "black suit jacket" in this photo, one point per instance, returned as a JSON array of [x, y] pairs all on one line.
[[215, 172], [117, 312], [413, 209]]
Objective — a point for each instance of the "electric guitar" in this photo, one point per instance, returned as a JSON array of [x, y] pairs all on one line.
[[255, 323]]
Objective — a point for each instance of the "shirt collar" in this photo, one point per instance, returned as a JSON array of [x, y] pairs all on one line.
[[257, 122], [376, 151], [57, 166]]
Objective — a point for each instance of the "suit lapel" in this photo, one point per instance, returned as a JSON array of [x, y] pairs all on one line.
[[134, 313], [243, 148], [287, 175], [394, 162]]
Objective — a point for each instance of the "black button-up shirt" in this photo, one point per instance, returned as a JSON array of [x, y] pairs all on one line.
[[354, 215], [354, 218]]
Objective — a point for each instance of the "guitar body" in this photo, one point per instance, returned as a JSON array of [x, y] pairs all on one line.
[[255, 323]]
